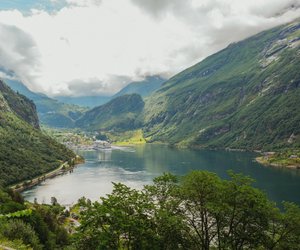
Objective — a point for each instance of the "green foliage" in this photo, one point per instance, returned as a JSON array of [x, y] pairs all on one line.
[[17, 229], [286, 157], [20, 105], [46, 222], [50, 111], [55, 114], [119, 114], [11, 205], [25, 152], [31, 226], [124, 138], [117, 222], [230, 212], [199, 212], [245, 96], [13, 244], [290, 221], [102, 137], [18, 214]]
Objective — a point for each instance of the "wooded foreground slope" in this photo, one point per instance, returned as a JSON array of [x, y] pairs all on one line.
[[25, 151]]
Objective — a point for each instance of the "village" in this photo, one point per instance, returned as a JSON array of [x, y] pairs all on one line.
[[75, 140], [93, 145]]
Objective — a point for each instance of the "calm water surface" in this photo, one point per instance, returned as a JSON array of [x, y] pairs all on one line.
[[137, 166]]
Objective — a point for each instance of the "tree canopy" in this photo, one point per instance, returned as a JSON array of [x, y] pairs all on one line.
[[199, 211]]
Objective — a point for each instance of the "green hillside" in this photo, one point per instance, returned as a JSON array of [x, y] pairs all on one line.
[[24, 151], [19, 104], [51, 112], [245, 96], [119, 114], [56, 114]]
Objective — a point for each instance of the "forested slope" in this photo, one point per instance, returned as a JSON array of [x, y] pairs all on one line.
[[25, 151], [121, 114]]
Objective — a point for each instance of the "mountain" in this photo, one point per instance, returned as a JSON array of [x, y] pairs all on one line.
[[84, 101], [20, 105], [19, 87], [57, 114], [25, 152], [245, 96], [121, 113], [51, 112], [143, 88]]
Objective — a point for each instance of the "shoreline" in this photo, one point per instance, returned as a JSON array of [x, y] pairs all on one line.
[[29, 183], [264, 162], [260, 159]]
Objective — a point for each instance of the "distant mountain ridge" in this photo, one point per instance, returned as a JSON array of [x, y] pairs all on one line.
[[51, 112], [54, 113], [84, 101], [144, 88]]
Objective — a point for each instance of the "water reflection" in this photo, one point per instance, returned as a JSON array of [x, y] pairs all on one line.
[[139, 165]]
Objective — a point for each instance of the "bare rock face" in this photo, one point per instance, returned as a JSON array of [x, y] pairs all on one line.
[[292, 138], [3, 104]]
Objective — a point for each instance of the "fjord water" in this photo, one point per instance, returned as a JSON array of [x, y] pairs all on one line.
[[137, 166]]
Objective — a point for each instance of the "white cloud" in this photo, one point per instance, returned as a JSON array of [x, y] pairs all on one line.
[[4, 76], [94, 42], [18, 53], [83, 2]]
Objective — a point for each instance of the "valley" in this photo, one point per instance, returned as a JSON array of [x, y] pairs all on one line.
[[244, 97], [208, 158], [227, 101]]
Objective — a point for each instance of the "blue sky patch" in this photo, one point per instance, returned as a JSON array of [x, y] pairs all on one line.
[[26, 5]]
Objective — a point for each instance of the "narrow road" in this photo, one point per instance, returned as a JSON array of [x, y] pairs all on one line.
[[37, 180]]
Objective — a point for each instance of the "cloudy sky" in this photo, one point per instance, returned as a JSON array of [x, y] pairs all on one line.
[[91, 47]]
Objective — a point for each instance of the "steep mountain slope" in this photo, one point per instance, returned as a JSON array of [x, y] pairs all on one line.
[[24, 151], [19, 87], [20, 105], [50, 111], [143, 88], [245, 96], [119, 114]]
